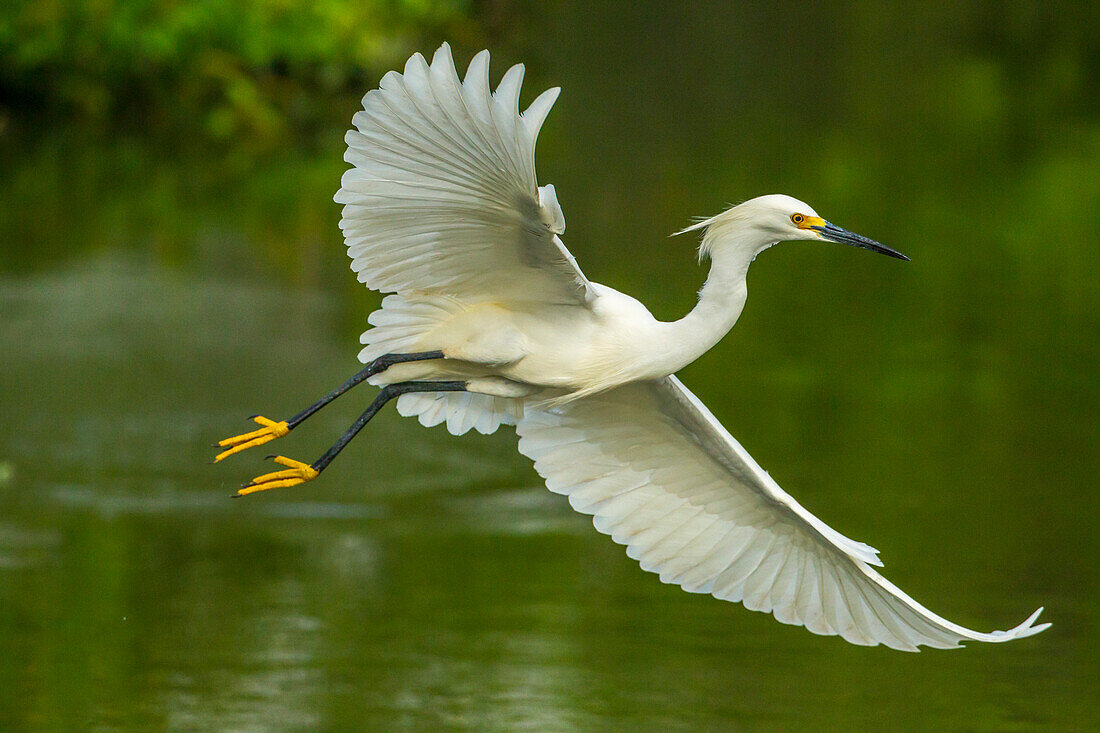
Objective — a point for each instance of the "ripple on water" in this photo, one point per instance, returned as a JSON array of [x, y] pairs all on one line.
[[87, 497]]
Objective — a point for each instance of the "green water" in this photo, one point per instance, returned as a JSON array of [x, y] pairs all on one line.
[[154, 293]]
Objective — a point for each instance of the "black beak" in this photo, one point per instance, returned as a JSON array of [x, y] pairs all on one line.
[[833, 233]]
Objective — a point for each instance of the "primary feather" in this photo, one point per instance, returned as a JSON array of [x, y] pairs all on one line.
[[442, 198], [659, 473]]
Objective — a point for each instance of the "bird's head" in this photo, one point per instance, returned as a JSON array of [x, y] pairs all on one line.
[[754, 225]]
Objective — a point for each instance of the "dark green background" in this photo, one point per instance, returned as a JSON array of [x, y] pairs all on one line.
[[170, 263]]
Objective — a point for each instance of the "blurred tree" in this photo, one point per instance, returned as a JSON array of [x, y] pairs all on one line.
[[231, 66]]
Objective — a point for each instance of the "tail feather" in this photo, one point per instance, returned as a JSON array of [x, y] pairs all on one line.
[[399, 327]]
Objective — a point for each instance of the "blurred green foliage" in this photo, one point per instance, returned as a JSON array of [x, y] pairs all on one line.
[[232, 66]]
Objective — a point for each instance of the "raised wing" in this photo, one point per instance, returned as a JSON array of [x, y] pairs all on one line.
[[662, 476], [442, 198]]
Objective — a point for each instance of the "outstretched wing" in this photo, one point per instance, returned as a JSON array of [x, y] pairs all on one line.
[[442, 198], [662, 476]]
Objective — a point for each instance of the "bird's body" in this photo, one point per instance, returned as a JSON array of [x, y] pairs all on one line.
[[565, 350], [561, 352], [489, 321]]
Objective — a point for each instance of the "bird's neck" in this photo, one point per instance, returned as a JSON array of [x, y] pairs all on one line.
[[720, 302]]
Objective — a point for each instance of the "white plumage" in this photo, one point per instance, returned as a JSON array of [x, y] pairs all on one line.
[[442, 199], [658, 473], [442, 211]]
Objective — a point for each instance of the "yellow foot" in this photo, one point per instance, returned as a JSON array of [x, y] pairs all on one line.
[[270, 431], [297, 473]]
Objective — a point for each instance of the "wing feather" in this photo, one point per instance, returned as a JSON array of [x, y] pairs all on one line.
[[442, 197], [659, 474]]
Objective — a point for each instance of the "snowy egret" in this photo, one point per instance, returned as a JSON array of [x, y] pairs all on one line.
[[489, 321]]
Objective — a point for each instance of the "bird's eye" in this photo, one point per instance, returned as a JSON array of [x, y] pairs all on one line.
[[798, 219]]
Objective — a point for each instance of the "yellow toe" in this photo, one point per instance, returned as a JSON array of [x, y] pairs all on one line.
[[296, 473], [270, 431]]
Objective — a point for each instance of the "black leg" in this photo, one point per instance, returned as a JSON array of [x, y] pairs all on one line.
[[270, 429], [298, 472], [377, 366], [388, 393]]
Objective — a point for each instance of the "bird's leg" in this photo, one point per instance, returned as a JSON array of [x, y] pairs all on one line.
[[271, 429], [298, 472]]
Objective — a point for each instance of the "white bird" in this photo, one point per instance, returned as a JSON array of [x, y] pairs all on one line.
[[489, 321]]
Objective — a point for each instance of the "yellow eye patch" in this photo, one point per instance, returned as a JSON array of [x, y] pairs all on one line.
[[802, 221]]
